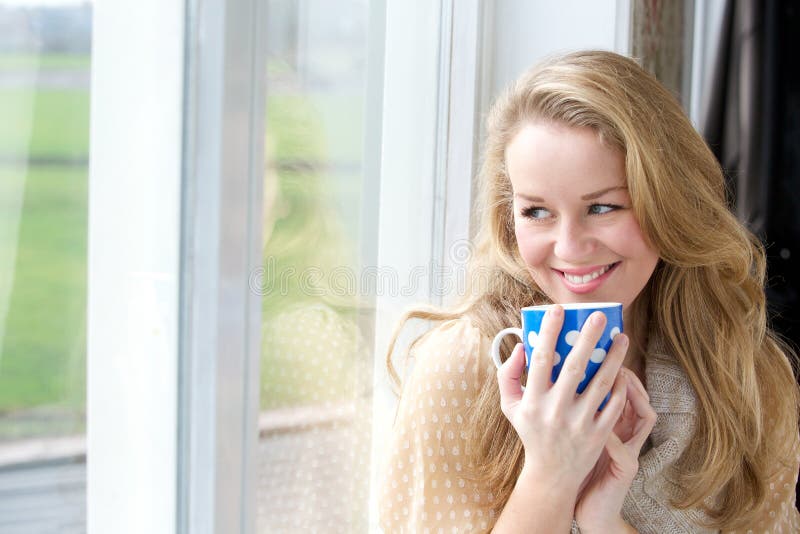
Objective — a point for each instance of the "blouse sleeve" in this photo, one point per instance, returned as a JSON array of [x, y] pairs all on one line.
[[424, 489], [779, 513]]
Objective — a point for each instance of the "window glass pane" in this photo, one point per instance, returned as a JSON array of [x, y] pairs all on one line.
[[316, 361], [44, 141]]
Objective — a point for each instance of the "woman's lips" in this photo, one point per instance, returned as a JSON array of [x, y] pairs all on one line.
[[594, 278]]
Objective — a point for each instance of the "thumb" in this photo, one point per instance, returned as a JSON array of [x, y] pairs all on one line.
[[508, 377], [621, 455]]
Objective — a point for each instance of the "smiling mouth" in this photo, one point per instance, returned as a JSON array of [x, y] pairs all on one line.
[[586, 278]]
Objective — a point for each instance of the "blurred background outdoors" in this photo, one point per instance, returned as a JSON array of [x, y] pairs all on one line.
[[45, 66], [45, 63]]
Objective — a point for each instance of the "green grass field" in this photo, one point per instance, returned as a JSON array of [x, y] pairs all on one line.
[[44, 123], [43, 351], [50, 62], [44, 146]]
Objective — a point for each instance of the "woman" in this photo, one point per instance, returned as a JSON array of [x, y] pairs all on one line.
[[595, 187]]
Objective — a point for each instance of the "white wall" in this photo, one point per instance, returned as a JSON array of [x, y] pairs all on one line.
[[525, 31]]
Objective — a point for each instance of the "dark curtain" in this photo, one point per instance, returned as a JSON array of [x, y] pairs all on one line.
[[751, 123], [737, 116]]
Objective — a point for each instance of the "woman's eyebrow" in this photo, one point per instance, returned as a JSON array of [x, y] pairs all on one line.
[[590, 196], [598, 194]]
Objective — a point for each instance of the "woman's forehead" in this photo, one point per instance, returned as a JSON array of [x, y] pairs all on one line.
[[544, 158]]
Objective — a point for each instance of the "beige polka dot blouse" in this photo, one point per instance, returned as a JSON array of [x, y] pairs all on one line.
[[423, 489]]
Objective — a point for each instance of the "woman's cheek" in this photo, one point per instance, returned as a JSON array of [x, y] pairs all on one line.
[[626, 239], [531, 249]]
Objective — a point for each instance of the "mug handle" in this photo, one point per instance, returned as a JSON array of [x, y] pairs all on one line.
[[496, 343]]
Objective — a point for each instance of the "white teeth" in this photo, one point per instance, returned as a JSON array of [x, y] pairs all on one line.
[[576, 279]]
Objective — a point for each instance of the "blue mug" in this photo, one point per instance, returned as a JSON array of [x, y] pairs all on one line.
[[574, 316]]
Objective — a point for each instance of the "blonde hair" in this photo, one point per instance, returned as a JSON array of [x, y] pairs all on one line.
[[705, 299]]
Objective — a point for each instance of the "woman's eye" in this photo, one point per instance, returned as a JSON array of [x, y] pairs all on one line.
[[535, 213], [599, 209]]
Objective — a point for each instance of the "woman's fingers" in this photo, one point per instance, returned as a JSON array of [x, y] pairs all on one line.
[[638, 383], [604, 379], [508, 377], [574, 369], [621, 455], [645, 415], [612, 411], [543, 353]]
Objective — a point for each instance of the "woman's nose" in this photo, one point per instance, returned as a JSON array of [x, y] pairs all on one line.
[[573, 241]]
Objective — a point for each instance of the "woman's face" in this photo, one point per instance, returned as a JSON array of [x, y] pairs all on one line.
[[575, 228]]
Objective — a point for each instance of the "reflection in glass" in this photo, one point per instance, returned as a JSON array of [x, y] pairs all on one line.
[[315, 370]]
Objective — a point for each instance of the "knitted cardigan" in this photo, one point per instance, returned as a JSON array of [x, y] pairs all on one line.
[[674, 401]]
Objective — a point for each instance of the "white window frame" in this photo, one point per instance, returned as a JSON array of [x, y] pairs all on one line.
[[221, 248], [173, 328], [133, 265]]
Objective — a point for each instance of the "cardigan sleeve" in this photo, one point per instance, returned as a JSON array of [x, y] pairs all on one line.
[[424, 487]]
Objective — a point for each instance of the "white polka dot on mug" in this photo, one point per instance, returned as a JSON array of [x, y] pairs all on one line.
[[575, 315]]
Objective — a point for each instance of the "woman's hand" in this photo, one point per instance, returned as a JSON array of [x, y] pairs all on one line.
[[603, 492], [562, 433]]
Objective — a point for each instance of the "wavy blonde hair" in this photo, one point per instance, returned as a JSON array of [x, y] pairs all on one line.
[[705, 299]]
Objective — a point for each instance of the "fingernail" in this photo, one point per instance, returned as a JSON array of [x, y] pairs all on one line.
[[622, 339], [597, 318], [556, 310]]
